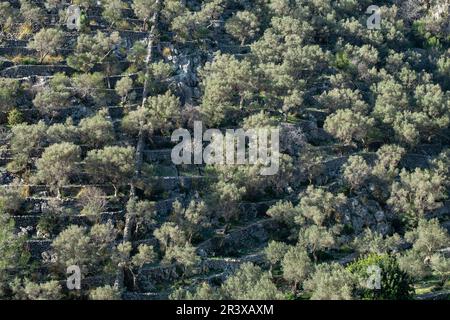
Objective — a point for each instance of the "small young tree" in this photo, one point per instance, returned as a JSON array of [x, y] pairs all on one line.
[[123, 88], [57, 164], [93, 201], [111, 164], [46, 42]]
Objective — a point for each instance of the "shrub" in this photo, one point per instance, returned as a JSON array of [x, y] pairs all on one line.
[[395, 284], [104, 293]]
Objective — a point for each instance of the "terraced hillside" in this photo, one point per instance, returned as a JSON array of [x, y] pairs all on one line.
[[87, 181]]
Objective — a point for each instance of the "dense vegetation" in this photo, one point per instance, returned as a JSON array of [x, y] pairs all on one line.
[[86, 177]]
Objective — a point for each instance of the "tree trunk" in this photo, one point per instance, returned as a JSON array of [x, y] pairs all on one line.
[[127, 230]]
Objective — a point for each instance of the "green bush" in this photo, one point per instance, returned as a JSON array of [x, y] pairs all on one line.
[[395, 284], [15, 116]]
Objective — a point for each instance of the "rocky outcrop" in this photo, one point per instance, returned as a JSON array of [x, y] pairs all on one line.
[[366, 215]]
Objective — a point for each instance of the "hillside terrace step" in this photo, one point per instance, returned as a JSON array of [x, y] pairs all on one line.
[[22, 71], [243, 238], [24, 221], [25, 51]]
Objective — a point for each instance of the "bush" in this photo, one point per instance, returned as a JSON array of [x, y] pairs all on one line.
[[104, 293], [395, 284], [15, 116]]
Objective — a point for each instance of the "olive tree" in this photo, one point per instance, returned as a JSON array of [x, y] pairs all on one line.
[[441, 267], [14, 256], [46, 42], [170, 235], [228, 87], [243, 26], [111, 164], [104, 293], [57, 164], [112, 11], [320, 207], [349, 126], [193, 219], [92, 50], [93, 201], [161, 112], [92, 251], [97, 131], [144, 10], [10, 91], [123, 88], [297, 266], [330, 282], [356, 171], [250, 282], [275, 252], [29, 290], [316, 238], [416, 193], [90, 86], [427, 239], [55, 96], [25, 141]]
